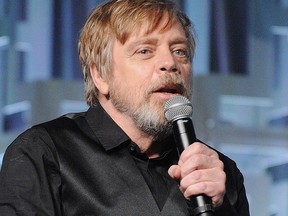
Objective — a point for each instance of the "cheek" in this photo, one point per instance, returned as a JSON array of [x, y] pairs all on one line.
[[188, 80], [134, 89], [187, 75], [140, 81]]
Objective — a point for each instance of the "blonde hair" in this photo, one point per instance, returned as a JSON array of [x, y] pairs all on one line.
[[116, 20]]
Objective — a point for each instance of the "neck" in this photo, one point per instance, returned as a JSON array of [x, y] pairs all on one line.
[[127, 124], [148, 144]]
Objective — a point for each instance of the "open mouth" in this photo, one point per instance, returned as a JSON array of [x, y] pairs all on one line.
[[171, 89]]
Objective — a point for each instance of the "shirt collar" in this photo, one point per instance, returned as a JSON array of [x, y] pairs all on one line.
[[107, 131], [109, 134]]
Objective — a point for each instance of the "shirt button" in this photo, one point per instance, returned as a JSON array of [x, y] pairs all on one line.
[[132, 148]]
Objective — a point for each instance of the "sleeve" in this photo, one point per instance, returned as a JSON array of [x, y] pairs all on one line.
[[30, 178], [235, 200]]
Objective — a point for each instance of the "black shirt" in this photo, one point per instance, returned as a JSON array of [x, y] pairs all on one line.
[[155, 172], [80, 164]]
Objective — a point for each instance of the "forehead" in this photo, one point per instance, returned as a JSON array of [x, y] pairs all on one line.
[[144, 25], [142, 30]]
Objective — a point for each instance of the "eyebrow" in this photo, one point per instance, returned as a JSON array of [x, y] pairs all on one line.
[[142, 41], [178, 40]]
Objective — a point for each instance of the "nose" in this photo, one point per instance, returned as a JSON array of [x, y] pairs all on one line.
[[168, 62], [169, 69]]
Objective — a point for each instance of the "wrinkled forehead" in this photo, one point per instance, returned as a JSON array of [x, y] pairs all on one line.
[[143, 33], [160, 21]]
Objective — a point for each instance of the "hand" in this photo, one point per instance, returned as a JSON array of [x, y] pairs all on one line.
[[200, 171]]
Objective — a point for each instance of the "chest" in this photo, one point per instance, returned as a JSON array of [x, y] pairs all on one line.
[[96, 182]]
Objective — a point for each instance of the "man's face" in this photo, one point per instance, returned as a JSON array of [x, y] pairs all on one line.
[[147, 71]]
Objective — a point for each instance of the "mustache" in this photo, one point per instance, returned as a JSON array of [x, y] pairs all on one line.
[[169, 82]]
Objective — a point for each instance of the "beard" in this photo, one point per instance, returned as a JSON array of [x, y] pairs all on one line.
[[148, 116]]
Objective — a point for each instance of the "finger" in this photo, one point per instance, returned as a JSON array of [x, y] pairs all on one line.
[[210, 182], [196, 148], [218, 200], [210, 189], [175, 172], [199, 162], [215, 175]]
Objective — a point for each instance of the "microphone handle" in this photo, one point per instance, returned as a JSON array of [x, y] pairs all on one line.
[[184, 135]]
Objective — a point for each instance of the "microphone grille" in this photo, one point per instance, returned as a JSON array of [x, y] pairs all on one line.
[[178, 107]]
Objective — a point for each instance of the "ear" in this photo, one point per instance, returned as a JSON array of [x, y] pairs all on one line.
[[101, 83]]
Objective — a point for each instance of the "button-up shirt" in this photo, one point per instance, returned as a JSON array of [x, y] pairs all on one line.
[[82, 164]]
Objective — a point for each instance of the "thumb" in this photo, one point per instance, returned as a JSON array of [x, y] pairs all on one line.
[[174, 172]]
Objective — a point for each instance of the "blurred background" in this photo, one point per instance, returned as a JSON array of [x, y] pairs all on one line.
[[240, 82]]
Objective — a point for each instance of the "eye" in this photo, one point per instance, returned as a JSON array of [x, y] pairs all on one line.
[[144, 51], [181, 53]]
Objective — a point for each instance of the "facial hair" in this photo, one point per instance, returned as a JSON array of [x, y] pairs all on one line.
[[148, 117]]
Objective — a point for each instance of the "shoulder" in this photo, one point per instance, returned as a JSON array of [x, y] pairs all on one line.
[[64, 122], [34, 142], [39, 139], [31, 155]]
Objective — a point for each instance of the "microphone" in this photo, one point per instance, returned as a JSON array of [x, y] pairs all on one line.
[[178, 110]]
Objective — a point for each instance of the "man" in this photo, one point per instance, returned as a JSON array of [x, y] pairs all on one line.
[[119, 157]]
